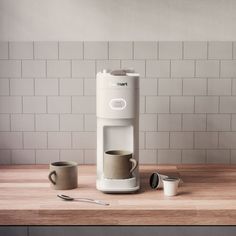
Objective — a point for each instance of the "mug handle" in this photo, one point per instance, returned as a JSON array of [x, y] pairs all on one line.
[[134, 164], [50, 176]]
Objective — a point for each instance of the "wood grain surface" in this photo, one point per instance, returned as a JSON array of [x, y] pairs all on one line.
[[207, 197]]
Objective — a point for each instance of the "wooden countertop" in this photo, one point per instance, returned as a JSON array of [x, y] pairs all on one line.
[[208, 196]]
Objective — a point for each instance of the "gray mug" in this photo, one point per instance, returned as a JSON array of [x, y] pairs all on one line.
[[63, 175], [119, 164]]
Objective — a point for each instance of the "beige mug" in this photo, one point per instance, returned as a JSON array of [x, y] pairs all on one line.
[[119, 164], [63, 175]]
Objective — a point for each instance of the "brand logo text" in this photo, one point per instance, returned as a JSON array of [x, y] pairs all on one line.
[[122, 84]]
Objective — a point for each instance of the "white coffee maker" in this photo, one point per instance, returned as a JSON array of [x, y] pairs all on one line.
[[117, 125]]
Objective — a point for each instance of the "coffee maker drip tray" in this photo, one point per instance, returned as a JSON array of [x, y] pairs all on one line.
[[117, 185]]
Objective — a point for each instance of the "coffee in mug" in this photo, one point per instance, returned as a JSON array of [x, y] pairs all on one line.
[[119, 164], [63, 175]]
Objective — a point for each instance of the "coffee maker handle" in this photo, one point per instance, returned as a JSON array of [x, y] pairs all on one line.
[[134, 164], [50, 177]]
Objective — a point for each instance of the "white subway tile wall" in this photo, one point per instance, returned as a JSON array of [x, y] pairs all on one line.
[[187, 100], [137, 65], [4, 52], [12, 68], [70, 50], [58, 69], [47, 156], [95, 50], [195, 50], [30, 68], [5, 122], [21, 50], [4, 87], [45, 50]]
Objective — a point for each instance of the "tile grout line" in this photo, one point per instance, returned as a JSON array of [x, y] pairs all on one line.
[[207, 50], [71, 104], [181, 156], [220, 63], [47, 139], [71, 141], [46, 68], [83, 151], [232, 50], [194, 143], [83, 50], [145, 68], [144, 140], [169, 133], [157, 116], [218, 105], [9, 86], [59, 86], [231, 122], [83, 116], [47, 104], [144, 104], [108, 50], [59, 122], [10, 122], [35, 122], [58, 58], [35, 159], [232, 84], [132, 50], [8, 50], [158, 85], [207, 122], [71, 67], [33, 50], [23, 142], [207, 86]]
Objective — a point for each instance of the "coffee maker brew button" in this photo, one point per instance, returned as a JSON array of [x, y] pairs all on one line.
[[117, 104]]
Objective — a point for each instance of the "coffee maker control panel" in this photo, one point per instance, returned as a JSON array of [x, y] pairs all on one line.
[[117, 94], [117, 104]]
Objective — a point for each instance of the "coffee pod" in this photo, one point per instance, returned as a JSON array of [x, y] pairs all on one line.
[[156, 180], [171, 186]]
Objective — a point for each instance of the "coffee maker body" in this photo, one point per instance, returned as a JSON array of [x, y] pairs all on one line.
[[117, 130]]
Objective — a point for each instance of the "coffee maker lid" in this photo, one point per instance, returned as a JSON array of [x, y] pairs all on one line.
[[117, 79], [121, 72]]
